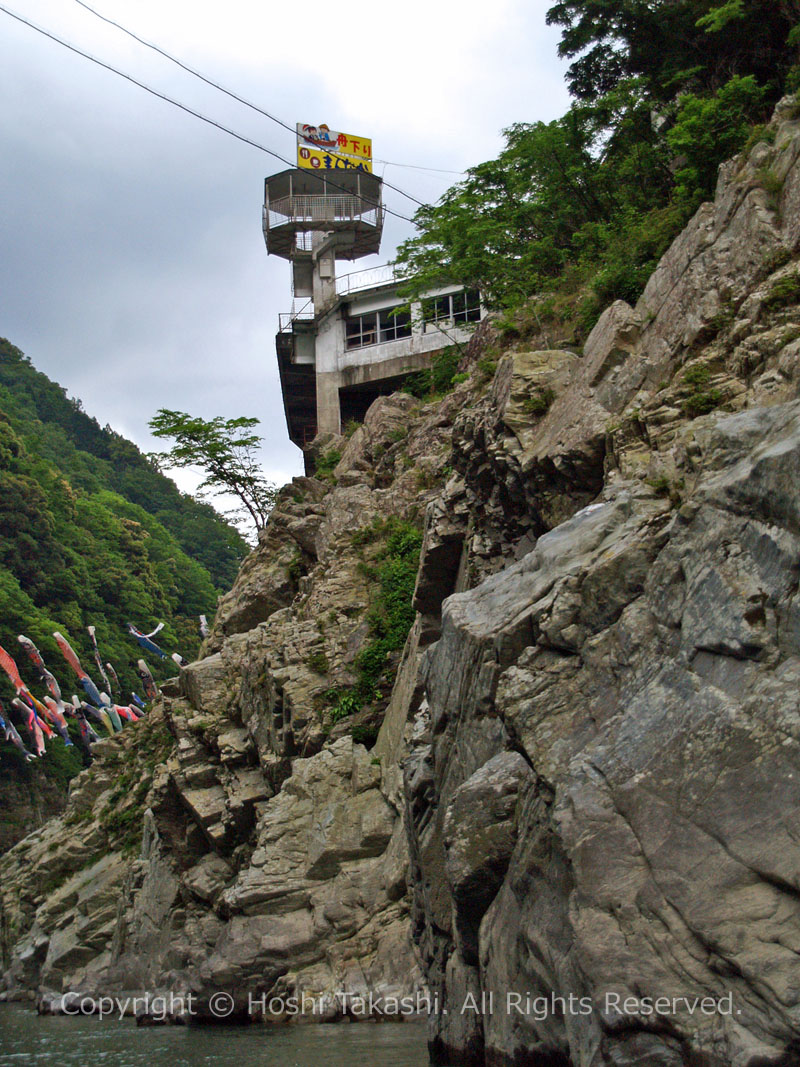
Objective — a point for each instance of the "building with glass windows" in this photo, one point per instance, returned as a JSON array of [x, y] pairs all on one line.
[[348, 338]]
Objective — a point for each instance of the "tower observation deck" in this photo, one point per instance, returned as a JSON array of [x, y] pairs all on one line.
[[344, 344], [303, 206]]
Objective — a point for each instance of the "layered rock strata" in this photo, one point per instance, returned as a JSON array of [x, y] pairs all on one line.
[[602, 795], [264, 850]]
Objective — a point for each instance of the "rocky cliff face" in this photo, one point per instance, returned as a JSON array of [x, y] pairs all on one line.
[[603, 802], [578, 781], [30, 798], [243, 838]]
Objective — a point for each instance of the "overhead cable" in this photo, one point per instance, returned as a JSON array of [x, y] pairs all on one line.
[[183, 107], [412, 166], [222, 89]]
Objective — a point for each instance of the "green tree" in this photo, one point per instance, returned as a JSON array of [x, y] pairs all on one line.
[[674, 45], [226, 451], [579, 210], [709, 127], [509, 225]]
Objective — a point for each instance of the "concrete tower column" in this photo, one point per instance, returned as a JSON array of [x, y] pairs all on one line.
[[327, 348], [324, 279], [328, 411]]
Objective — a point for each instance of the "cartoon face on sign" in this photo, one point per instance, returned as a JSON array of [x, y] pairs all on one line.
[[321, 136], [320, 147]]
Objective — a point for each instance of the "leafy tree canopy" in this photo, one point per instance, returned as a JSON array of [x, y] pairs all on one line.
[[664, 91], [674, 45], [226, 450]]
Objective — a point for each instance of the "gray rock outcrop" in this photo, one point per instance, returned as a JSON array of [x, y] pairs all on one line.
[[602, 804]]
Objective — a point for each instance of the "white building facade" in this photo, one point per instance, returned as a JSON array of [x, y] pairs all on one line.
[[352, 338]]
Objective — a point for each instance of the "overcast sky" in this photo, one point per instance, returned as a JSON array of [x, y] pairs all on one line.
[[133, 267]]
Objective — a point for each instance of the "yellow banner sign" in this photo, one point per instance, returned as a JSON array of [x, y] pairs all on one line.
[[319, 148]]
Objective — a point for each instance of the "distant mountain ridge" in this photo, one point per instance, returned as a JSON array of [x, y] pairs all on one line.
[[199, 530]]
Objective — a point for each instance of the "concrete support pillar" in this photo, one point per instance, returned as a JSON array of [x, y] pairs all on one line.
[[328, 411], [323, 256], [417, 324], [324, 279]]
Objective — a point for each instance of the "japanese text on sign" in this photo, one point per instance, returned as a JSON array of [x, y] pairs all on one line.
[[320, 148]]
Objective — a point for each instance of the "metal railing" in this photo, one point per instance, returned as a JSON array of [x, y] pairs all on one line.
[[321, 209], [353, 282], [299, 313], [365, 279]]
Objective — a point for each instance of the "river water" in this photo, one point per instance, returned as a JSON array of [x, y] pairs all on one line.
[[30, 1040]]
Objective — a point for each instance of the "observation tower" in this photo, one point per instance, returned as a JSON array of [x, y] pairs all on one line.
[[350, 338]]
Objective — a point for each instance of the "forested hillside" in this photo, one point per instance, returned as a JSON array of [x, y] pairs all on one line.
[[91, 533]]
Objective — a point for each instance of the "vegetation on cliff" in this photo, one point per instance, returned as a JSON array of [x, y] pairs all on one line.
[[392, 574], [226, 450], [578, 211]]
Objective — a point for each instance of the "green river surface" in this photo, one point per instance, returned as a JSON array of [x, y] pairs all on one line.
[[30, 1040]]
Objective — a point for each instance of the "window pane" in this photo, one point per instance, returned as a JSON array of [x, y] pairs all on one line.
[[402, 324], [360, 331], [352, 333], [369, 329], [473, 305], [394, 324], [387, 326]]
